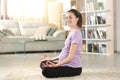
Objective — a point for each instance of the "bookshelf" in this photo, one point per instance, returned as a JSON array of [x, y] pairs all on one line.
[[98, 26]]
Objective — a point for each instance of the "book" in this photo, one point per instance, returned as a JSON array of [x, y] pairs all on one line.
[[97, 47], [90, 6], [89, 47], [101, 6], [102, 48], [101, 33], [83, 33], [83, 47]]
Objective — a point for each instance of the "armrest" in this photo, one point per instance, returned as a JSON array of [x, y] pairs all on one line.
[[60, 34]]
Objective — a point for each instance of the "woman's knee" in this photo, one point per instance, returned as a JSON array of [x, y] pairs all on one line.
[[46, 73], [41, 64]]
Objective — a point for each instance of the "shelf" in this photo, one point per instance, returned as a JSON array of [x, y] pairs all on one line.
[[95, 11], [96, 25], [95, 53], [98, 39]]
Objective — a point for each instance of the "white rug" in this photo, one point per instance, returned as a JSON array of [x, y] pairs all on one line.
[[87, 74]]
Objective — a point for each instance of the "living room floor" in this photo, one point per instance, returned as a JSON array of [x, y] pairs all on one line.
[[26, 67]]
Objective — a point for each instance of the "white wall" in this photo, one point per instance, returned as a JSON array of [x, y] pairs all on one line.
[[117, 26]]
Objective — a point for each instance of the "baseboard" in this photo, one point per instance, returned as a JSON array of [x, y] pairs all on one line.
[[21, 52]]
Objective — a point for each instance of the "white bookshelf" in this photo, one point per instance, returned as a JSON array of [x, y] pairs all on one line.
[[90, 16]]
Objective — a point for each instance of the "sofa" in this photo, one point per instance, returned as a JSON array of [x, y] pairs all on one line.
[[26, 36]]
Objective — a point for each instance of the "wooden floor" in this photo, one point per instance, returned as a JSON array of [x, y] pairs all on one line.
[[12, 62]]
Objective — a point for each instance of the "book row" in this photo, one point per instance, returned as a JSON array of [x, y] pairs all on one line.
[[94, 34]]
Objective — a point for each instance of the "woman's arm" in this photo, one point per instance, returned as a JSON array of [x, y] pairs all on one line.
[[48, 58], [55, 58]]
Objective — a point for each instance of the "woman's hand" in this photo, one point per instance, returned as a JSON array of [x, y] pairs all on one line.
[[45, 58], [50, 64]]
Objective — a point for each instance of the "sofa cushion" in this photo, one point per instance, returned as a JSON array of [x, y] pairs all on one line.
[[25, 31], [11, 25], [42, 30], [29, 28], [60, 34]]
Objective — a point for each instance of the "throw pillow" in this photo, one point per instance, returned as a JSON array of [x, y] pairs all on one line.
[[52, 30], [7, 32], [1, 35], [42, 30]]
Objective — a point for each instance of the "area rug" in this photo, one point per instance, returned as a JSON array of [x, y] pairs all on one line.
[[87, 74]]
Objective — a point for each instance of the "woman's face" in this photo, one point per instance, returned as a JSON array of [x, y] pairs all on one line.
[[71, 20]]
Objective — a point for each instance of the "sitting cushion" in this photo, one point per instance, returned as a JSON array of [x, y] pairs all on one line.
[[52, 30], [42, 30]]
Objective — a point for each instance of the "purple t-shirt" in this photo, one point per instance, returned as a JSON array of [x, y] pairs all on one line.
[[73, 37]]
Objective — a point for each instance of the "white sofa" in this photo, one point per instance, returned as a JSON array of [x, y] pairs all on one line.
[[24, 37]]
